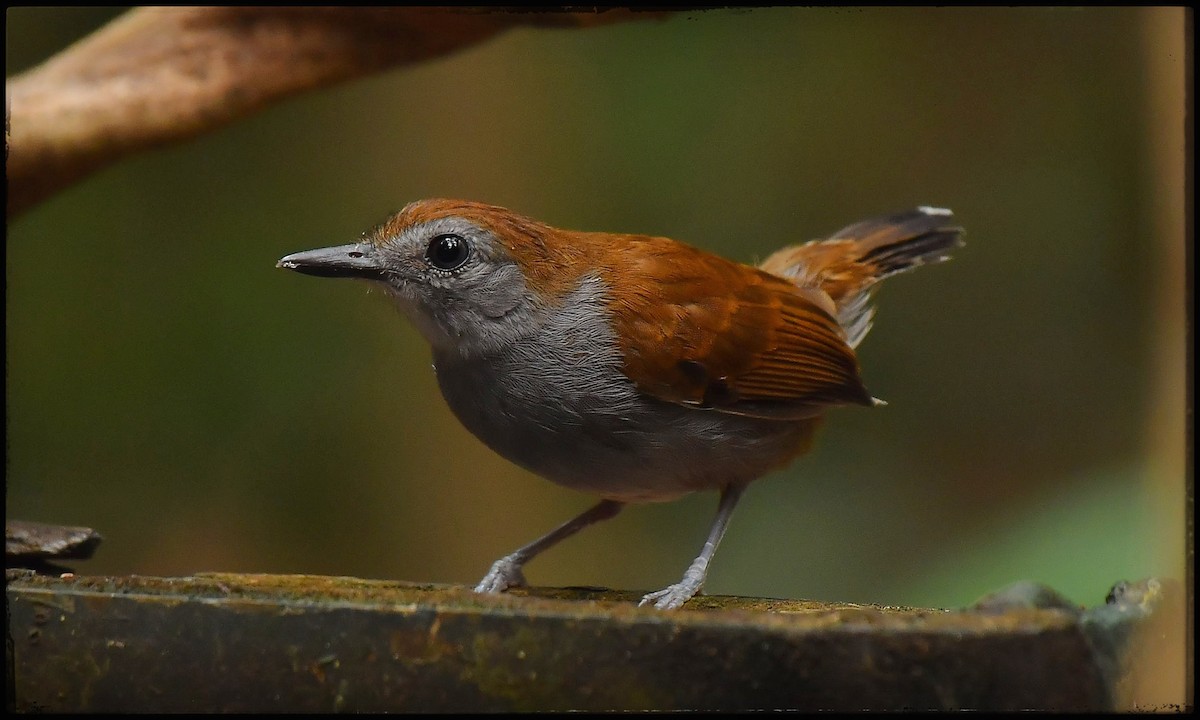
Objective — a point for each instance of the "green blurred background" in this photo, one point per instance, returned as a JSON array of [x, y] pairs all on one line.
[[208, 412]]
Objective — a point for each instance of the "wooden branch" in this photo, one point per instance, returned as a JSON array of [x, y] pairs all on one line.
[[155, 76]]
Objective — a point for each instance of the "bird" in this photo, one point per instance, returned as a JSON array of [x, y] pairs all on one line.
[[634, 368]]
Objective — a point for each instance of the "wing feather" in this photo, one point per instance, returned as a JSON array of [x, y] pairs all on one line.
[[702, 331]]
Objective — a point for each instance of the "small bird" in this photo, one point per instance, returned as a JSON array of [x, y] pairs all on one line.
[[635, 368]]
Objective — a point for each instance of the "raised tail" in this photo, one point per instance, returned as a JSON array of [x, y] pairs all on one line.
[[849, 264]]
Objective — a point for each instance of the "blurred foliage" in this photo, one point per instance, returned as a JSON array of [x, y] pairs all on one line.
[[205, 411]]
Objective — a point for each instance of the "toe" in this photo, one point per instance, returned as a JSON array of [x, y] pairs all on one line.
[[503, 575], [669, 598]]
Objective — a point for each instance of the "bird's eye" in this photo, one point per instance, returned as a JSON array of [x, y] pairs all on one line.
[[448, 252]]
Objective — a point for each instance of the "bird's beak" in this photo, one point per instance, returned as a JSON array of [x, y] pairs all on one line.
[[360, 260]]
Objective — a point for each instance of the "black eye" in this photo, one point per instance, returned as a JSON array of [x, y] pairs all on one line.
[[448, 252]]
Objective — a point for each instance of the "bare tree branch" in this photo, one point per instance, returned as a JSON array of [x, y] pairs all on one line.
[[160, 75]]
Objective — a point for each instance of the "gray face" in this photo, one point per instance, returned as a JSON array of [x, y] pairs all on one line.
[[454, 280], [458, 284]]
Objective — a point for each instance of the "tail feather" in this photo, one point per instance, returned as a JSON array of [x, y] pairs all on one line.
[[848, 265], [932, 247]]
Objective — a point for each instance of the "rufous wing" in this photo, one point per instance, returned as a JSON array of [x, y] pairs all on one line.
[[702, 331]]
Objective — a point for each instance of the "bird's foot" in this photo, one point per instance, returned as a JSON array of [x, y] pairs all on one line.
[[673, 596], [505, 573]]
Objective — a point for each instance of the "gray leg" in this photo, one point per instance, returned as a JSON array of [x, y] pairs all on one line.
[[506, 572], [675, 595]]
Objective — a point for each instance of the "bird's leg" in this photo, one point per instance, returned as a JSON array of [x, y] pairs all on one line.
[[675, 595], [506, 572]]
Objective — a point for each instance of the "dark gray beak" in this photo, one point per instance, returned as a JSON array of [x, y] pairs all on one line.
[[359, 260]]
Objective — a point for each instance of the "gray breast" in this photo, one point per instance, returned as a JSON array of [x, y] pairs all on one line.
[[557, 403]]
